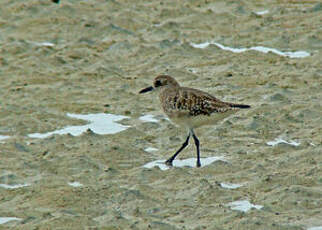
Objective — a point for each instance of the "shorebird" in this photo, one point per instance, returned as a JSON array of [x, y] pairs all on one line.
[[190, 108]]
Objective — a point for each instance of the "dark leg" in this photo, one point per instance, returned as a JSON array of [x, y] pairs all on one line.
[[169, 161], [197, 146]]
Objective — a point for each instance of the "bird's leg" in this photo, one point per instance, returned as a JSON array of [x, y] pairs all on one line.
[[169, 161], [197, 146]]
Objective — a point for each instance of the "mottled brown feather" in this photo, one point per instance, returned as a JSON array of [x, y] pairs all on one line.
[[189, 106], [195, 102]]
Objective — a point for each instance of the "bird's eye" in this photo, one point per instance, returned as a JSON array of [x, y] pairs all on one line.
[[157, 83]]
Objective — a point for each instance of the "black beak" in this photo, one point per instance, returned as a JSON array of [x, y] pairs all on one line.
[[150, 88]]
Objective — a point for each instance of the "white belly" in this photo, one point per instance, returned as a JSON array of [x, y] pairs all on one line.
[[188, 121]]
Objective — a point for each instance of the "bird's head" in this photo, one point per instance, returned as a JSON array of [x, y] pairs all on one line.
[[160, 82]]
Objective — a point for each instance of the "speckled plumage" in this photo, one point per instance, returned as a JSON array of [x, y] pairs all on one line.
[[190, 107]]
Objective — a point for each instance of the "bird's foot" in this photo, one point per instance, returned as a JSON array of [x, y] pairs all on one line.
[[169, 162], [198, 164]]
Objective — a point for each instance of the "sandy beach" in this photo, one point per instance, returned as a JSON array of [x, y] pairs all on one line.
[[81, 149]]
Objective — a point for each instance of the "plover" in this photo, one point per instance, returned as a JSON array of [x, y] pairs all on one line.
[[190, 108]]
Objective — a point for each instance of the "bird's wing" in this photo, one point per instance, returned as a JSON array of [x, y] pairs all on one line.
[[193, 102], [205, 104]]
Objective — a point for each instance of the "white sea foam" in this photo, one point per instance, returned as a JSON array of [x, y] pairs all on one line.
[[99, 123], [4, 220], [262, 12], [13, 186], [75, 184], [281, 141], [315, 228], [148, 118], [3, 137], [45, 44], [230, 186], [190, 162], [296, 54], [150, 149], [243, 205]]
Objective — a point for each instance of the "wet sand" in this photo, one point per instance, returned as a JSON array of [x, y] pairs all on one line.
[[92, 57]]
